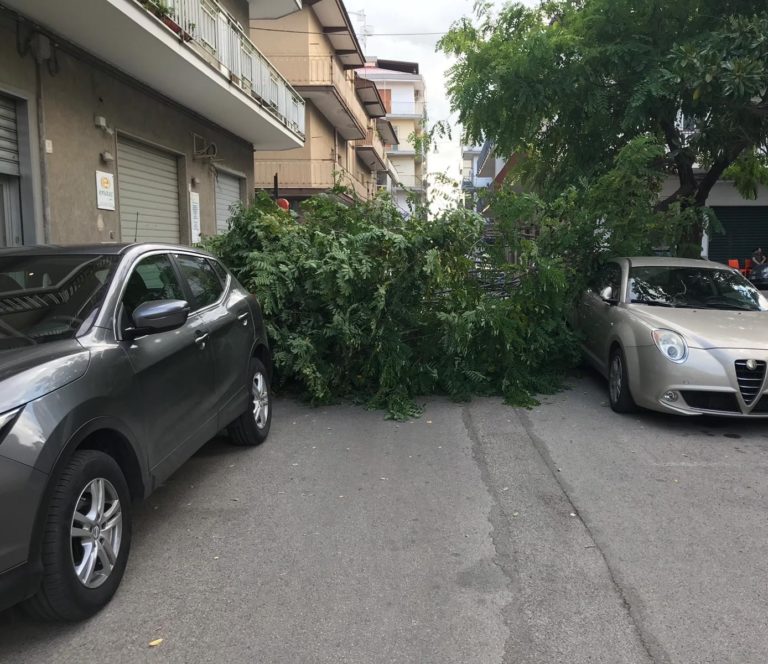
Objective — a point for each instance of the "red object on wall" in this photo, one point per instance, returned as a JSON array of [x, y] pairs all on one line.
[[283, 203]]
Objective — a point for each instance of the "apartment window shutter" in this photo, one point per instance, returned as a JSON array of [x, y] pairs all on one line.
[[9, 137]]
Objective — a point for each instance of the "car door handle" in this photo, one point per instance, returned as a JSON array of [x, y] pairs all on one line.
[[202, 338], [244, 319]]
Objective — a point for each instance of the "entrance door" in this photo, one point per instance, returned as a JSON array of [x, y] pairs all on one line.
[[148, 187]]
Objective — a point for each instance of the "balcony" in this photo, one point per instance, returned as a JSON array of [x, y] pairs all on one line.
[[331, 88], [305, 177], [413, 182], [191, 51], [371, 150], [405, 109]]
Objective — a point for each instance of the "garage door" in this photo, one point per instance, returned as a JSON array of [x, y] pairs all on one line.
[[148, 188], [746, 228], [227, 194]]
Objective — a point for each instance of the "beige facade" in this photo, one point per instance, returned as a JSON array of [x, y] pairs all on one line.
[[75, 114], [317, 51]]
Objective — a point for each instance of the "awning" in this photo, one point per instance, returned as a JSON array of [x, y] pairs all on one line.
[[337, 26], [387, 132], [370, 97]]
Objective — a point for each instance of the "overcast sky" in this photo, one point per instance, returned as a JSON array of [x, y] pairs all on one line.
[[399, 16]]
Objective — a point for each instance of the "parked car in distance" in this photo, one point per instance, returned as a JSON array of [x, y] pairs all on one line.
[[758, 275], [675, 335], [117, 362]]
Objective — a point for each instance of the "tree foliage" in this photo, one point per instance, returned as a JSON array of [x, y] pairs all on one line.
[[363, 304], [572, 82]]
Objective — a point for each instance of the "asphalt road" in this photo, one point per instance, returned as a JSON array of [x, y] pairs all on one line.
[[477, 533]]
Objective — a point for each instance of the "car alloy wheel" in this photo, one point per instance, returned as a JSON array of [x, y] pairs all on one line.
[[260, 393], [96, 532]]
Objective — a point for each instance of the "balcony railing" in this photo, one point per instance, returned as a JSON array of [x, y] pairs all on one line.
[[321, 70], [214, 35], [485, 153], [407, 108], [373, 140], [317, 174]]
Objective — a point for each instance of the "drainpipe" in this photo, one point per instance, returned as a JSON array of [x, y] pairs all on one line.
[[41, 147]]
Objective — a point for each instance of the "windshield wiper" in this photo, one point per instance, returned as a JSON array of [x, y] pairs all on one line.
[[729, 307], [654, 303]]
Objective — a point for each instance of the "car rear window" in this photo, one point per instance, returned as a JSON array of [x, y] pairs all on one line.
[[46, 298]]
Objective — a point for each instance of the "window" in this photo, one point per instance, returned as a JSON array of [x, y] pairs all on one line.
[[50, 297], [218, 268], [152, 279], [202, 279]]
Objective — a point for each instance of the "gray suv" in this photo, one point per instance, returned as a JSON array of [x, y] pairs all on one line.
[[117, 362]]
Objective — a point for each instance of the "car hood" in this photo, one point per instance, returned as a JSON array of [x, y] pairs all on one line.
[[711, 328], [33, 371]]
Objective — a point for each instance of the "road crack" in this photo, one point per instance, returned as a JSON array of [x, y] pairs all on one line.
[[650, 644], [519, 635]]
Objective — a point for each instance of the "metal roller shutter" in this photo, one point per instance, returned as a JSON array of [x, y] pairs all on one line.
[[227, 194], [9, 138], [148, 185], [746, 228]]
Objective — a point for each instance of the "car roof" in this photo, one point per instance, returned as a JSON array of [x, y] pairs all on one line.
[[107, 248], [669, 261]]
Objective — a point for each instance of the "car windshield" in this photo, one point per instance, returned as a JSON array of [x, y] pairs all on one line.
[[693, 288], [46, 298]]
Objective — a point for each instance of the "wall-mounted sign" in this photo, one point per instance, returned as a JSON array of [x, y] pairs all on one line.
[[194, 213], [105, 190]]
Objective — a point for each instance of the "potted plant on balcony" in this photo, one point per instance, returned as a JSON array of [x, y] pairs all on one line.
[[165, 14], [189, 31]]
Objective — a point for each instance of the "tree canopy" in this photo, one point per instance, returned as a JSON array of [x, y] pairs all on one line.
[[570, 83]]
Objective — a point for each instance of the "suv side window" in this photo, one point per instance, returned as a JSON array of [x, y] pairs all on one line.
[[219, 269], [202, 279], [153, 278]]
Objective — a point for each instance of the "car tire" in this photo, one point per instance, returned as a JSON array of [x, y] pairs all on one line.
[[619, 395], [252, 427], [65, 595]]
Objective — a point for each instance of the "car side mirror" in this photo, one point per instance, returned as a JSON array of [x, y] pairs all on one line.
[[157, 316], [606, 295]]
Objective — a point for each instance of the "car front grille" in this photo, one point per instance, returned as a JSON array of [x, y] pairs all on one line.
[[750, 380], [723, 402]]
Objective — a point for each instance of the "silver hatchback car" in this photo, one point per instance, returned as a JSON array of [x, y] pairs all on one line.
[[680, 336], [117, 362]]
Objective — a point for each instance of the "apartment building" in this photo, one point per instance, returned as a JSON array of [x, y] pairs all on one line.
[[123, 120], [403, 91], [317, 50], [472, 183]]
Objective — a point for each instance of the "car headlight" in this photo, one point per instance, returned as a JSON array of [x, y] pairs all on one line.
[[671, 344]]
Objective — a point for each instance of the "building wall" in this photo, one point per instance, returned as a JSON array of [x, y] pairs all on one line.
[[404, 129], [723, 194], [295, 43], [83, 88], [238, 9], [323, 143], [403, 99]]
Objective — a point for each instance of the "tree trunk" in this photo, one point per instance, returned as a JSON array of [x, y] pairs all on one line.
[[693, 192]]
